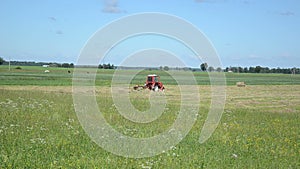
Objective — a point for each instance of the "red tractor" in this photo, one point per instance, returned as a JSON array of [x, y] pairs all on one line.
[[152, 83]]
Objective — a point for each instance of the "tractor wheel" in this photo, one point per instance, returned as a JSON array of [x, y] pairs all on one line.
[[155, 88]]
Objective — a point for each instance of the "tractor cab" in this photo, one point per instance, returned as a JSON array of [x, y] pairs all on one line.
[[153, 83], [152, 78]]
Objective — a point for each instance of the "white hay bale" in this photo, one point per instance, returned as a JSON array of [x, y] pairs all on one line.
[[241, 84]]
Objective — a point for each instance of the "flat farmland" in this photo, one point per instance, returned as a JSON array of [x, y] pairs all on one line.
[[39, 128], [34, 75]]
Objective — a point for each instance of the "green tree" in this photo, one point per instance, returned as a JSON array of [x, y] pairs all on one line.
[[65, 65], [257, 69], [203, 67], [219, 69], [1, 60], [166, 68], [251, 69], [106, 66], [211, 69]]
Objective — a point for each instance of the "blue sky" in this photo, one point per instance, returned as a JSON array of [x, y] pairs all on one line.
[[244, 32]]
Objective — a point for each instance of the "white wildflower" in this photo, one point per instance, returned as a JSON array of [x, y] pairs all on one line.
[[43, 129], [146, 167]]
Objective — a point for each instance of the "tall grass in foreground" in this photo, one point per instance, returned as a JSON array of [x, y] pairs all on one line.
[[40, 129]]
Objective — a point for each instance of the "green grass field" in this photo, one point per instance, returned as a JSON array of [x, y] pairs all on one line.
[[33, 75], [39, 128]]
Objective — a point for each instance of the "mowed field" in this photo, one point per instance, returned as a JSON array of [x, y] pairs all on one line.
[[260, 126]]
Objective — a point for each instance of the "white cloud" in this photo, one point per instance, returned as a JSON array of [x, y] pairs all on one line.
[[111, 6], [287, 13], [246, 2], [205, 1], [59, 32], [52, 18], [253, 56]]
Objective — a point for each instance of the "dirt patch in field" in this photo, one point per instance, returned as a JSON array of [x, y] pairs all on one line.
[[61, 89], [281, 98]]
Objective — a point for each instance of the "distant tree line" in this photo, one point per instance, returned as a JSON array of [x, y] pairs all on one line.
[[165, 68], [67, 65], [203, 67], [260, 69], [106, 66], [31, 63], [257, 69]]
